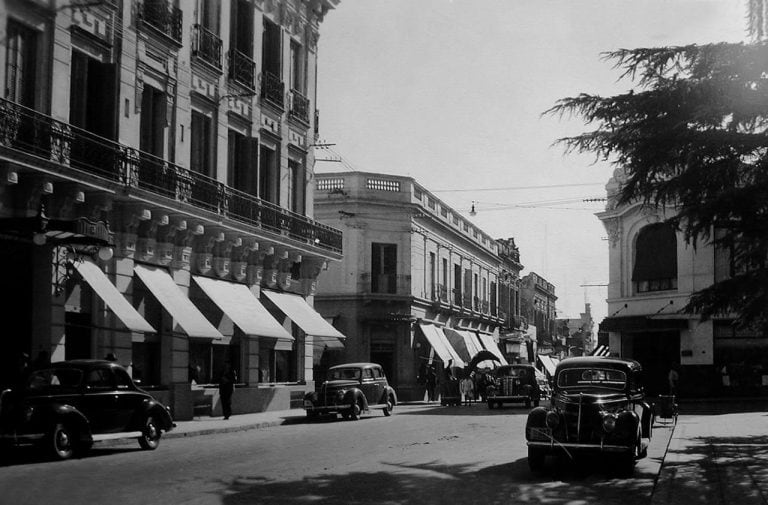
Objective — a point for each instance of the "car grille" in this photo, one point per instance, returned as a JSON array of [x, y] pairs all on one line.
[[582, 421], [509, 386]]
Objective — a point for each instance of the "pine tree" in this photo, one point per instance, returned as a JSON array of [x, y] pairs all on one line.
[[692, 135]]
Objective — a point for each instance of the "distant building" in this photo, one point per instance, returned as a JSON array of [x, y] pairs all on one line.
[[419, 283], [538, 307], [576, 335]]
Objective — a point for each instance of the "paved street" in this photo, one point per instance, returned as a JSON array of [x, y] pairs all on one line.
[[419, 455]]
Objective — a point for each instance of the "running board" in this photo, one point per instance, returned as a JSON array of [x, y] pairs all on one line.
[[115, 436]]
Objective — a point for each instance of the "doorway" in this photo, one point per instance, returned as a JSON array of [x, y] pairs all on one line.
[[657, 352]]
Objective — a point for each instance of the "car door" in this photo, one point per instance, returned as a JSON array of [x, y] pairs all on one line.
[[99, 400], [128, 402], [368, 386]]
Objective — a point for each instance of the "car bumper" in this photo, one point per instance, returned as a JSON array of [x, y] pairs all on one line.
[[554, 445], [310, 407]]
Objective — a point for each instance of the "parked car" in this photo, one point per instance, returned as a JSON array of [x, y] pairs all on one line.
[[514, 384], [65, 407], [350, 390], [598, 406]]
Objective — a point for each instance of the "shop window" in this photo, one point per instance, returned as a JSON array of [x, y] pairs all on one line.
[[207, 360], [145, 368], [655, 266]]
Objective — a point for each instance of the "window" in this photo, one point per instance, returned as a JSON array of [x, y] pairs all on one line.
[[122, 379], [146, 363], [241, 168], [655, 266], [208, 359], [242, 34], [431, 279], [270, 49], [269, 175], [297, 198], [20, 58], [383, 268], [92, 99], [99, 380], [209, 15], [298, 68], [153, 115], [201, 143]]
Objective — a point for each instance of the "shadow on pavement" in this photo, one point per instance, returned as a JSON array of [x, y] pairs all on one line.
[[28, 455], [435, 482], [477, 409]]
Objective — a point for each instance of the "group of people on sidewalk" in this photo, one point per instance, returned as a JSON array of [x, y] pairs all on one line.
[[471, 385]]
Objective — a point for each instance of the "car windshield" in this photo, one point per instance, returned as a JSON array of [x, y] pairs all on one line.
[[599, 377], [53, 380], [344, 374]]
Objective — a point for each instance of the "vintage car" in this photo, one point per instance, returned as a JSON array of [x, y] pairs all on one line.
[[350, 390], [514, 384], [67, 406], [598, 406]]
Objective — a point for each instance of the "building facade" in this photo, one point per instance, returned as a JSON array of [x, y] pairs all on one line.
[[577, 334], [538, 306], [652, 275], [155, 193], [419, 283]]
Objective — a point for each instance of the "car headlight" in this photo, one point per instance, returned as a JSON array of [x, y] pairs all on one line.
[[340, 394], [552, 419], [609, 423]]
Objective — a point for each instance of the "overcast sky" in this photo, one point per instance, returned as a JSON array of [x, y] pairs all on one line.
[[450, 92]]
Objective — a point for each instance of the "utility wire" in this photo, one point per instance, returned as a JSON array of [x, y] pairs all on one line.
[[513, 188]]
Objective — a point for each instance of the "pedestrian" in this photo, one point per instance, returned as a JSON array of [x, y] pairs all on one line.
[[467, 389], [673, 378], [226, 388], [431, 381]]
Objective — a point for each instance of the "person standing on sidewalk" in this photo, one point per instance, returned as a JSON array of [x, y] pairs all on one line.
[[674, 378], [226, 388]]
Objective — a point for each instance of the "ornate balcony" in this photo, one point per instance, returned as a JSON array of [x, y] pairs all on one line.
[[272, 89], [299, 107], [162, 16], [79, 151], [242, 69], [206, 46]]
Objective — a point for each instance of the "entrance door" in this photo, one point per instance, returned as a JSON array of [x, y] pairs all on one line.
[[656, 352]]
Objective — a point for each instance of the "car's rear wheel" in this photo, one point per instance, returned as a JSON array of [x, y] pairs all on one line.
[[536, 459], [389, 407], [150, 434], [62, 441]]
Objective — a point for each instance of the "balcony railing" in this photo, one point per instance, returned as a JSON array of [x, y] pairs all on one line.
[[31, 132], [206, 45], [242, 69], [390, 284], [299, 107], [272, 88], [164, 17]]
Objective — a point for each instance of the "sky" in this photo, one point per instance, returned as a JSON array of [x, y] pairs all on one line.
[[451, 93]]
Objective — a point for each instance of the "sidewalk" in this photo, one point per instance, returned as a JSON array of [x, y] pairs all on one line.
[[718, 455]]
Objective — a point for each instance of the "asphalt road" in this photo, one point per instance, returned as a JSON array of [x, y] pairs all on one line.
[[443, 454]]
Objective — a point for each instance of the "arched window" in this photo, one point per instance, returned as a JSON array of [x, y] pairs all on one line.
[[655, 266]]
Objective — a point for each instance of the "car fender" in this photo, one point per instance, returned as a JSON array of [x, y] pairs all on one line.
[[537, 418], [311, 396], [390, 391], [354, 395], [628, 425], [646, 419], [159, 412], [64, 413]]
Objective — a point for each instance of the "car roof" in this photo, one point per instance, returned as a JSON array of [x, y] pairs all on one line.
[[612, 362], [355, 365], [83, 363]]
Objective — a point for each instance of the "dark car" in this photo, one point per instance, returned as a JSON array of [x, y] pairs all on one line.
[[67, 406], [514, 384], [350, 390], [598, 406]]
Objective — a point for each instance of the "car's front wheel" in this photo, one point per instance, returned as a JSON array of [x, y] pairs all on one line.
[[150, 434], [389, 407], [62, 441], [354, 411]]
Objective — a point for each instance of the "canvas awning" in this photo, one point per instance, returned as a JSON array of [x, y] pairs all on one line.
[[300, 312], [181, 308], [548, 364], [245, 310], [441, 345], [490, 344], [103, 287]]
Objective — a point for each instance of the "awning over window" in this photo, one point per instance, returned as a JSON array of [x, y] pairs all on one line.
[[101, 285], [183, 311], [642, 323], [489, 344], [307, 318], [245, 310], [548, 364], [466, 340], [441, 345]]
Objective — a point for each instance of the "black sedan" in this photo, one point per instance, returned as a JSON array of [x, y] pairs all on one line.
[[67, 406]]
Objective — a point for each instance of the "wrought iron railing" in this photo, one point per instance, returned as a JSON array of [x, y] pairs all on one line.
[[242, 69], [272, 88], [392, 284], [206, 45], [163, 16], [442, 293], [457, 297], [40, 135], [299, 107]]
